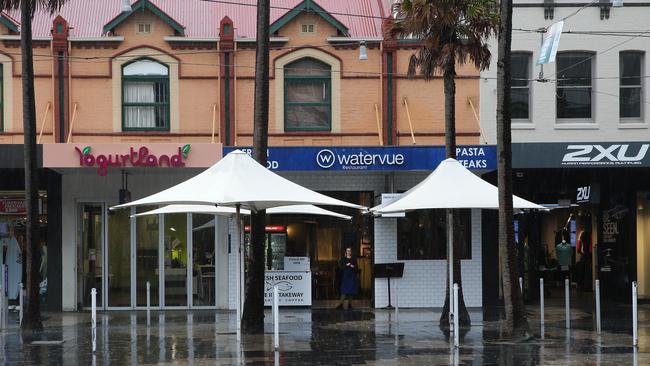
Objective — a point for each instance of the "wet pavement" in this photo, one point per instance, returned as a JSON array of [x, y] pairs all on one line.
[[326, 337]]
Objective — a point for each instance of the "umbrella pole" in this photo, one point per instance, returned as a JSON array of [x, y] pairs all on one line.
[[239, 274], [450, 265]]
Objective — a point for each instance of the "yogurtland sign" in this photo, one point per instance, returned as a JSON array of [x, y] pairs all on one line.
[[103, 157]]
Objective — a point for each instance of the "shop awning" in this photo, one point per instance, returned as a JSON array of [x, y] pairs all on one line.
[[229, 211], [452, 185]]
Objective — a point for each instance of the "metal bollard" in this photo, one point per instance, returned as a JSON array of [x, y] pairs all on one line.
[[456, 328], [276, 318], [21, 303], [635, 317], [567, 304], [396, 302], [93, 317], [541, 301], [148, 303], [598, 327]]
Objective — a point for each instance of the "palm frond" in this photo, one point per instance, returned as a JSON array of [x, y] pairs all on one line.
[[449, 31], [50, 6]]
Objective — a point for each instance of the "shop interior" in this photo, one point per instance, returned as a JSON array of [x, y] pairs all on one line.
[[324, 239], [643, 243], [12, 242]]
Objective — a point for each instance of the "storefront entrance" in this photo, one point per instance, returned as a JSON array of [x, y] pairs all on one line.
[[176, 254]]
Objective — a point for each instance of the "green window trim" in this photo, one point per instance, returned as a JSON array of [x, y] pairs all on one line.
[[288, 80], [165, 105], [323, 77]]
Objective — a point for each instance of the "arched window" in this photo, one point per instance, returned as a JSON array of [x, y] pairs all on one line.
[[145, 96], [307, 96]]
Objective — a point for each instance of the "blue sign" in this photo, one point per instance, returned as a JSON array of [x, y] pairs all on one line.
[[393, 158]]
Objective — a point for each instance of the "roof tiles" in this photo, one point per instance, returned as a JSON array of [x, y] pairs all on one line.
[[201, 17]]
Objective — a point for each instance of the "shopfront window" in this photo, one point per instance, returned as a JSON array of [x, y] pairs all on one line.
[[630, 92], [13, 240], [574, 73], [307, 103], [145, 96], [422, 234], [203, 258]]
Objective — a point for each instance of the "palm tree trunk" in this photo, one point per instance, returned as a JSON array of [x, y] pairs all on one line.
[[450, 152], [516, 322], [32, 253], [253, 315]]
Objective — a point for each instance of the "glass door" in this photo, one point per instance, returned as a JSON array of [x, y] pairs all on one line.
[[203, 260], [147, 266], [118, 250], [91, 253], [176, 259]]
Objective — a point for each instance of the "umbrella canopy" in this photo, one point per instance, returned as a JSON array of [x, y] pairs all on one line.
[[228, 211], [239, 180], [451, 185]]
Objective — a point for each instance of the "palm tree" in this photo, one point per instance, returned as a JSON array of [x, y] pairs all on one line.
[[253, 316], [451, 32], [32, 253], [516, 322]]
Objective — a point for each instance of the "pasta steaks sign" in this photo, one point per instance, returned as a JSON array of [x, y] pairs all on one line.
[[135, 157], [103, 157]]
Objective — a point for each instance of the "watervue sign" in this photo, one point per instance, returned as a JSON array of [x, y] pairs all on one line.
[[580, 155], [391, 158]]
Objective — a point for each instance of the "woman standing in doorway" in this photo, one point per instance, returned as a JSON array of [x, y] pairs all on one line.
[[349, 282]]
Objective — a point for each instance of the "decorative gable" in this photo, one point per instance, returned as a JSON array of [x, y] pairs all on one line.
[[142, 5], [310, 7]]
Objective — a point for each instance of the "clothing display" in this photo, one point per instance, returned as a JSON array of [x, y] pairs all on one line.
[[564, 253], [13, 260]]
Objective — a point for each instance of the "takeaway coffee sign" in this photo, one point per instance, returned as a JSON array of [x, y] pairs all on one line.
[[104, 157]]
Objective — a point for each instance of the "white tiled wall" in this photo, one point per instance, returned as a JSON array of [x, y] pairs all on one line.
[[425, 281]]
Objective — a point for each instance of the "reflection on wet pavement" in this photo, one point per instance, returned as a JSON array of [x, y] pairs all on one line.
[[322, 337]]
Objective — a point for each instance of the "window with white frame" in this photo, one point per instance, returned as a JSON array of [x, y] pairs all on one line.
[[520, 85], [631, 86], [306, 28], [573, 93], [145, 96]]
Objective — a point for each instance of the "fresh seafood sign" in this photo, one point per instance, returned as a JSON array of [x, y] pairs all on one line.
[[294, 287]]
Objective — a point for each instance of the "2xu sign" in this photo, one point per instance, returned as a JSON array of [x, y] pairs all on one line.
[[615, 154]]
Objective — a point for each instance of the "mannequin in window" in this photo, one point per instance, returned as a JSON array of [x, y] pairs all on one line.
[[564, 254]]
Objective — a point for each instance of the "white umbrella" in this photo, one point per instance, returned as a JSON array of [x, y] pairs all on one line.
[[228, 211], [451, 185], [239, 181]]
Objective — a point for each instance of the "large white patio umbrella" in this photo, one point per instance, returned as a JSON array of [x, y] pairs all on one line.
[[229, 211], [449, 186], [239, 181]]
